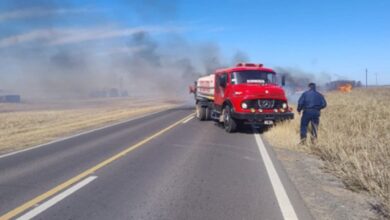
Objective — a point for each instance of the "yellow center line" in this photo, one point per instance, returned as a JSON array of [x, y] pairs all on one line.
[[66, 184]]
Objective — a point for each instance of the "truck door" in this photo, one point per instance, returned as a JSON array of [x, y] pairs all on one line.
[[221, 83]]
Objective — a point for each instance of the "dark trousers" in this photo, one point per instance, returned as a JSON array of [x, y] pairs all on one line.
[[313, 117]]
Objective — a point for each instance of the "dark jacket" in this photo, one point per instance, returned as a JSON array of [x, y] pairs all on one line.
[[311, 100]]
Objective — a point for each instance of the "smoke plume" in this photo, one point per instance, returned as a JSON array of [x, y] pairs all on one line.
[[297, 81], [45, 60]]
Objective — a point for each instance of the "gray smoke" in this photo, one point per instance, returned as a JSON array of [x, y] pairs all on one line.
[[52, 64], [240, 57], [297, 81], [211, 57]]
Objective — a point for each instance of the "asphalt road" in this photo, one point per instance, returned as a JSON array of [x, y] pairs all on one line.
[[163, 166]]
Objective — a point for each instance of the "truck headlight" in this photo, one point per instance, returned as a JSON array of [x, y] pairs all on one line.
[[284, 105], [244, 105]]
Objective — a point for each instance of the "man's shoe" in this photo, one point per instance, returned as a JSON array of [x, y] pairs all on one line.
[[313, 140]]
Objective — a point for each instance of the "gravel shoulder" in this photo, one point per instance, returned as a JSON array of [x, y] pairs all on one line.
[[324, 194]]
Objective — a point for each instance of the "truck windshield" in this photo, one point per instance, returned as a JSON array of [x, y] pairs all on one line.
[[253, 76]]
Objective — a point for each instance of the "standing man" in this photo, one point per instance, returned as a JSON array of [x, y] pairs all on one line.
[[311, 102]]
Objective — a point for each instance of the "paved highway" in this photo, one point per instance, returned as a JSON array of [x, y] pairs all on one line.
[[166, 165]]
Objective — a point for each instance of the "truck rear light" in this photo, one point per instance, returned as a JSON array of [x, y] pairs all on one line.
[[192, 89]]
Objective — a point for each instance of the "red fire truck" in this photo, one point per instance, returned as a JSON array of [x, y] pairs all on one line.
[[245, 94]]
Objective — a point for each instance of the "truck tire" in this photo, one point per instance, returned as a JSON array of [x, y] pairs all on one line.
[[200, 112], [229, 123], [207, 114]]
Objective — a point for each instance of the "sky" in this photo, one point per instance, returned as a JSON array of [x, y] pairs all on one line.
[[339, 39]]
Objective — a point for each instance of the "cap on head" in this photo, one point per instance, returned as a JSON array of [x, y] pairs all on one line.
[[312, 85]]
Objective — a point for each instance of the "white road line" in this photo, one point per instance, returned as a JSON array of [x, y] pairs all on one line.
[[79, 134], [49, 203], [187, 120], [285, 205]]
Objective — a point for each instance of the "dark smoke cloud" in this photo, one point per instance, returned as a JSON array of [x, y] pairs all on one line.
[[147, 49], [139, 63], [300, 79], [297, 81], [211, 57], [69, 60], [154, 66], [240, 57], [296, 78], [68, 71]]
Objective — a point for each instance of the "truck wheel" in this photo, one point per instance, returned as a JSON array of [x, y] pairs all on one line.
[[228, 122], [200, 113]]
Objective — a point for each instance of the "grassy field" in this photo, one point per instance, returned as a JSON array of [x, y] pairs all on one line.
[[32, 123], [354, 140]]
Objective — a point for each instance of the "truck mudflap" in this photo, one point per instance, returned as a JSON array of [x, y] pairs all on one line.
[[263, 118]]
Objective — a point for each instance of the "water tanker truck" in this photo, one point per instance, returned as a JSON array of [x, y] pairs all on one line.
[[244, 94]]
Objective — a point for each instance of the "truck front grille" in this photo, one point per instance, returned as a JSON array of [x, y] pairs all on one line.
[[264, 103]]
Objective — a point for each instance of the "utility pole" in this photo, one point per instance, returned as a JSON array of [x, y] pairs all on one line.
[[366, 78], [376, 79]]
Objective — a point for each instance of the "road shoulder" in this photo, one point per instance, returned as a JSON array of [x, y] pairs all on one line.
[[324, 194]]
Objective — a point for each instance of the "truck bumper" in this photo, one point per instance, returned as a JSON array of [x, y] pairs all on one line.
[[260, 118]]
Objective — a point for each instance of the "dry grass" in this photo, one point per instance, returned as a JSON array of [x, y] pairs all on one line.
[[354, 140], [28, 124]]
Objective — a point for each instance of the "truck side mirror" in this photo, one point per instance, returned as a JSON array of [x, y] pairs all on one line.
[[283, 80]]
